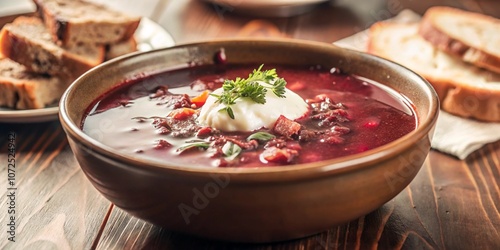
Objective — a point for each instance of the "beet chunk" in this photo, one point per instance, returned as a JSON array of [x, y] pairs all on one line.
[[286, 127]]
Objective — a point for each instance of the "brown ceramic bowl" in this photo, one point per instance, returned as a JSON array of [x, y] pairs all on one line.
[[251, 205]]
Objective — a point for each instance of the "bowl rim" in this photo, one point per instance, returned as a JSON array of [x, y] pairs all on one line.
[[297, 171]]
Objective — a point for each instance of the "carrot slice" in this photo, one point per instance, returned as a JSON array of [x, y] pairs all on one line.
[[201, 98]]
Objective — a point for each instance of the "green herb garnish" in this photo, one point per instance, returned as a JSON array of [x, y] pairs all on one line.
[[231, 150], [251, 88], [194, 144], [261, 136]]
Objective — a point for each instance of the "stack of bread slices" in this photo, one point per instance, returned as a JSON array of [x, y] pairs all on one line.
[[41, 55], [457, 51]]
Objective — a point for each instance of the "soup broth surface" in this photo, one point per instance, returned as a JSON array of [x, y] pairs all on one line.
[[347, 115]]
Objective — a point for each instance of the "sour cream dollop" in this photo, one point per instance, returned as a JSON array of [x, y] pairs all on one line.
[[249, 115]]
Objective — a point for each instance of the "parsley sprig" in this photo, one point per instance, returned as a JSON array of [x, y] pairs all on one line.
[[251, 88]]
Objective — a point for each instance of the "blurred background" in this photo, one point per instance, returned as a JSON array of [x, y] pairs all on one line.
[[350, 16]]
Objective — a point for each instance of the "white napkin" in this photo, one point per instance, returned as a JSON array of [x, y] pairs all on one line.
[[453, 135]]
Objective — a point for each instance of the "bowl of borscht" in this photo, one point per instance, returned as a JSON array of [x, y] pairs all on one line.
[[249, 140]]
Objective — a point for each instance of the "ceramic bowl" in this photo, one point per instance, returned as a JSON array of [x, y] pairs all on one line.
[[251, 204]]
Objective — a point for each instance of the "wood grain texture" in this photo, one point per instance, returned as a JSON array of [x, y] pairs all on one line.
[[56, 206], [451, 204]]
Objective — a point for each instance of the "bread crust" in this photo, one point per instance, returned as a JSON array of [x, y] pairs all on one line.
[[457, 46], [44, 56], [20, 89], [40, 58], [73, 28], [465, 99]]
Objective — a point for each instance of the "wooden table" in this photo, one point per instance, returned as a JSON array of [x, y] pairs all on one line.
[[451, 204]]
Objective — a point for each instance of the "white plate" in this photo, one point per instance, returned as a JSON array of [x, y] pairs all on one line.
[[16, 7], [268, 8], [149, 35]]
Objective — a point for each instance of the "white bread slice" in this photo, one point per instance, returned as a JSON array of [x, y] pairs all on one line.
[[474, 37], [27, 42], [463, 89], [74, 21], [20, 89]]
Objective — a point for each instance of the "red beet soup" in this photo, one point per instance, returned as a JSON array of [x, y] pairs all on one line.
[[157, 117]]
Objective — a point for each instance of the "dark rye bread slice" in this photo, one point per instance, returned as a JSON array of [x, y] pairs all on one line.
[[473, 37], [463, 89], [20, 89], [27, 41], [73, 21]]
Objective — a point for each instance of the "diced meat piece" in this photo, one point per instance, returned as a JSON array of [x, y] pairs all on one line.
[[332, 136], [279, 155], [332, 117], [161, 144], [286, 127], [161, 122], [162, 126], [340, 130], [308, 135], [163, 131], [181, 101], [323, 104]]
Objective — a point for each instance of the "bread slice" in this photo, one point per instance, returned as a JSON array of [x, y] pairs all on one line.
[[20, 89], [121, 48], [463, 89], [474, 37], [27, 42], [74, 21]]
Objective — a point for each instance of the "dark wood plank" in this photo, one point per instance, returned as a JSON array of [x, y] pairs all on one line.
[[55, 206]]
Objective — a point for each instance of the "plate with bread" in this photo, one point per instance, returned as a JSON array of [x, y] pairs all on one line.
[[40, 55], [455, 50]]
